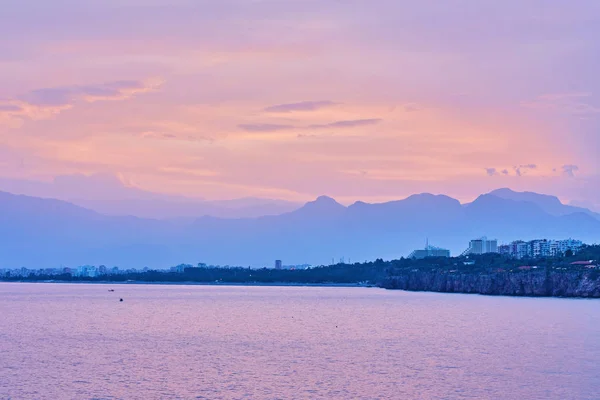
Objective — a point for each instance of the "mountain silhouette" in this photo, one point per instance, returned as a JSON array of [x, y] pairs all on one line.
[[107, 194], [41, 233], [550, 204]]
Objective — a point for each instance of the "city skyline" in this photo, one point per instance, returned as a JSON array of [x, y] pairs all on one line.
[[295, 99], [516, 249]]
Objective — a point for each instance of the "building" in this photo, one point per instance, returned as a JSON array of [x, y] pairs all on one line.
[[504, 249], [278, 264], [88, 271], [429, 251], [482, 246], [180, 269], [569, 244], [540, 248], [516, 249]]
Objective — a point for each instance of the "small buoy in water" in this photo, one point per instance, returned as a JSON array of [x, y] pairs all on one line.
[[120, 299]]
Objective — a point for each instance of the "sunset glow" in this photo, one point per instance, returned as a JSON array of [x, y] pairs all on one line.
[[370, 100]]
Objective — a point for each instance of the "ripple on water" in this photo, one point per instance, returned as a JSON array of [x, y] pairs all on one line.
[[62, 341]]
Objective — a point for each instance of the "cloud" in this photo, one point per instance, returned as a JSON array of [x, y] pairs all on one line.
[[524, 168], [68, 95], [152, 135], [570, 170], [570, 103], [495, 171], [118, 90], [347, 124], [44, 103], [305, 136], [301, 106], [264, 127], [50, 97], [10, 108]]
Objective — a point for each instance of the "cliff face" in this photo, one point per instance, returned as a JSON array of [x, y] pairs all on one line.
[[557, 283]]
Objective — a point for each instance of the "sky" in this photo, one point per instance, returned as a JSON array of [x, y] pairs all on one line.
[[292, 99]]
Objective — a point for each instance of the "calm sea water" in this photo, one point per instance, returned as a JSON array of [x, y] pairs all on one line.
[[76, 341]]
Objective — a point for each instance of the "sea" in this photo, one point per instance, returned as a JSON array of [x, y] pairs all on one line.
[[80, 341]]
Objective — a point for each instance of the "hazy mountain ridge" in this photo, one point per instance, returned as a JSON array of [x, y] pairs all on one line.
[[107, 194], [39, 233], [550, 204]]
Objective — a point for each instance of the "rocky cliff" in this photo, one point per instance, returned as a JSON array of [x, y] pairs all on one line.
[[540, 282]]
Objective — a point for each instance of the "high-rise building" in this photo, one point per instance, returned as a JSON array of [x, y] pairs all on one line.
[[429, 251], [504, 249], [278, 264], [482, 246], [540, 248]]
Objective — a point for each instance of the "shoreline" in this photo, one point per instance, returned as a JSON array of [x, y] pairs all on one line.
[[296, 284], [191, 283]]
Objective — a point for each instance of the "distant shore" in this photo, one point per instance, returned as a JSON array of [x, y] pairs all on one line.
[[393, 283], [488, 274], [191, 283]]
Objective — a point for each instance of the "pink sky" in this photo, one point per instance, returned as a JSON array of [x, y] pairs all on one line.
[[291, 99]]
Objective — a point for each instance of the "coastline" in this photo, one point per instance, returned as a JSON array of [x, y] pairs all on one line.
[[536, 283], [191, 283], [316, 285]]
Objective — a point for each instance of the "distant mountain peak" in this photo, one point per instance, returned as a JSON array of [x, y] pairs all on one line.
[[428, 196], [422, 195], [503, 190], [550, 204], [323, 198], [323, 205], [325, 201], [507, 193]]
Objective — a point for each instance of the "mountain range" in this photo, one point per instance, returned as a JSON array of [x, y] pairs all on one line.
[[107, 194], [39, 233]]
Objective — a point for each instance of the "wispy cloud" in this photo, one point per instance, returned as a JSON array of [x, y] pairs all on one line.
[[10, 108], [570, 170], [264, 127], [305, 136], [171, 136], [491, 171], [268, 127], [67, 95], [47, 102], [523, 168], [347, 124], [201, 172], [300, 106], [570, 103]]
